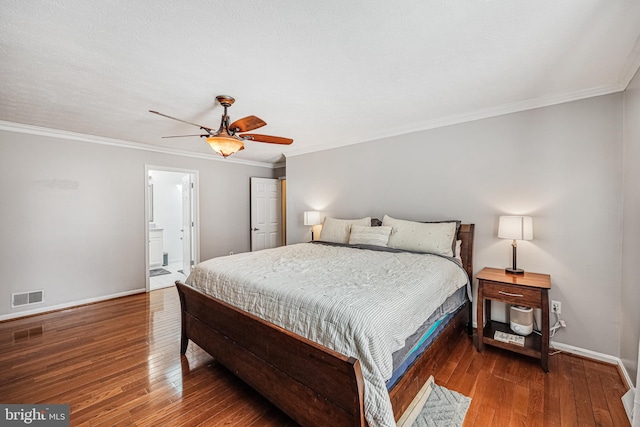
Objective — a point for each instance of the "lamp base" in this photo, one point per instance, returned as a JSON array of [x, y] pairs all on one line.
[[514, 270]]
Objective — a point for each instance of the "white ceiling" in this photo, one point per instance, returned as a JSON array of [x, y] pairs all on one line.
[[325, 73]]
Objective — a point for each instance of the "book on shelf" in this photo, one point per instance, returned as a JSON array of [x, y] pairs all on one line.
[[509, 338]]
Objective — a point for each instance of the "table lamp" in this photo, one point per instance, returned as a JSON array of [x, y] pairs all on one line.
[[312, 218], [515, 228]]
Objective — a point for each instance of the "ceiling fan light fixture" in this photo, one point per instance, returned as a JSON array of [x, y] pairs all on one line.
[[227, 139], [225, 145]]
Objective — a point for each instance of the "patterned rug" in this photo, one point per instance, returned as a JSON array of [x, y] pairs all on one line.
[[158, 272], [443, 408]]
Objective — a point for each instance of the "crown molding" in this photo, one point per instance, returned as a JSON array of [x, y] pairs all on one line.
[[454, 119], [81, 137], [515, 107], [632, 66]]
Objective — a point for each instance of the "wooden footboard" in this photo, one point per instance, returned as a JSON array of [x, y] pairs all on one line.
[[312, 384]]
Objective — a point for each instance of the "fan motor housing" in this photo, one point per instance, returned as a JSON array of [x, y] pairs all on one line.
[[225, 100]]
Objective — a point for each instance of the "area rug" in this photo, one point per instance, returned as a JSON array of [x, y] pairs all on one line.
[[158, 272], [443, 408]]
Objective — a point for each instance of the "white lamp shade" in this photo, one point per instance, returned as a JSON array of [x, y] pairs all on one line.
[[515, 227], [312, 218]]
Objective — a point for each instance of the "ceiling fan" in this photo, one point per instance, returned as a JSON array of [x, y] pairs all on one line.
[[228, 139]]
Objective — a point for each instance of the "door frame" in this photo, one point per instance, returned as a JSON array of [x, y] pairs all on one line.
[[195, 204]]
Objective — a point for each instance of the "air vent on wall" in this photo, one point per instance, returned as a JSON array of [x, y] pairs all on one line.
[[26, 298]]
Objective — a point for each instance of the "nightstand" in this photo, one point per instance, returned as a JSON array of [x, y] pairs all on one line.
[[529, 290]]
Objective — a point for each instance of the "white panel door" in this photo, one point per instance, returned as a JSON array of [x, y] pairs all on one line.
[[265, 213], [187, 225]]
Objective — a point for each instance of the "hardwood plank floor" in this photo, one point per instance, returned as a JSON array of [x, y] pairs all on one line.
[[117, 363]]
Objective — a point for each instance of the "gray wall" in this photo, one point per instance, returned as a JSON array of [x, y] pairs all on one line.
[[72, 216], [560, 164], [280, 172], [630, 328]]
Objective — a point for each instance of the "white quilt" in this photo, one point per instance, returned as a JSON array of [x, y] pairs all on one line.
[[360, 303]]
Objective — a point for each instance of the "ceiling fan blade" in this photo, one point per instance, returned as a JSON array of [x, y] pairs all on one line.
[[182, 136], [180, 120], [267, 138], [247, 123]]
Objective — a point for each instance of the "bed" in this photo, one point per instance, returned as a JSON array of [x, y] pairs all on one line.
[[314, 384]]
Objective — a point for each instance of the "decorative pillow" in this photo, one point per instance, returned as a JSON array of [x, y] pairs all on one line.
[[338, 230], [375, 222], [431, 237], [378, 236]]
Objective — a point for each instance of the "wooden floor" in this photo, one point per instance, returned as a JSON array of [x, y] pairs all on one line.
[[118, 363]]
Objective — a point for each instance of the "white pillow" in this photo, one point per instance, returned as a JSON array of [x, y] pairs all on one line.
[[338, 230], [430, 237], [378, 236]]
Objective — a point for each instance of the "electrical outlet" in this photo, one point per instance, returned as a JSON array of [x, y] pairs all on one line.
[[556, 307]]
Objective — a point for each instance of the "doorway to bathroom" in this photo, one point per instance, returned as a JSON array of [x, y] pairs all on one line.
[[172, 232]]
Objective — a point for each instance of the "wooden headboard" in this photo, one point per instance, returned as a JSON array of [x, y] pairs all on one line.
[[466, 234]]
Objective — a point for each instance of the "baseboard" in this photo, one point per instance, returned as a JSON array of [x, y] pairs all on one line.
[[41, 310], [628, 401], [589, 354]]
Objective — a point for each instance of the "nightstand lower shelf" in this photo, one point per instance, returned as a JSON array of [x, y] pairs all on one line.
[[532, 342]]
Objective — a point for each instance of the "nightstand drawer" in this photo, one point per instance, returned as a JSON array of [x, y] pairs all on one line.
[[519, 295]]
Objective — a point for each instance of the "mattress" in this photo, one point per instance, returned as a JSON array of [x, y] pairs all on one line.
[[361, 303]]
